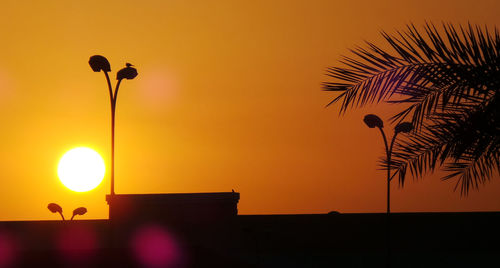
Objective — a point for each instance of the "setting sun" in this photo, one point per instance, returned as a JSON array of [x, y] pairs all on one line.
[[81, 169]]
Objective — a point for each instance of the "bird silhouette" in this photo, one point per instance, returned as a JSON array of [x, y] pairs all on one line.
[[128, 64]]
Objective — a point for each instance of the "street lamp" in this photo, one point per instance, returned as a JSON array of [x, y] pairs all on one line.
[[55, 208], [373, 121], [99, 63]]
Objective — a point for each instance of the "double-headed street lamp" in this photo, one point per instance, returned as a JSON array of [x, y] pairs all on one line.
[[373, 121], [55, 208], [99, 63]]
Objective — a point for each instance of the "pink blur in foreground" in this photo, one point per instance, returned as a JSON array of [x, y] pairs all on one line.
[[153, 246], [7, 249]]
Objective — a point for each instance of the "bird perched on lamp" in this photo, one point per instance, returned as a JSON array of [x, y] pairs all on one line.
[[127, 72]]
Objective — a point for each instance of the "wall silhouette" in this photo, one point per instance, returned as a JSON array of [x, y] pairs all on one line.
[[183, 237]]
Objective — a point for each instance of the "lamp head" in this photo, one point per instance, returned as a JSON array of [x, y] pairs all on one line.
[[98, 63], [79, 211], [126, 73], [404, 127], [373, 121], [54, 208]]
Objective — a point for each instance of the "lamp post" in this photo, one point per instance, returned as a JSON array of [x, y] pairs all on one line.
[[373, 121], [99, 63]]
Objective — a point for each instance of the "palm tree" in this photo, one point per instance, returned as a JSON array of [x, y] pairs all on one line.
[[448, 82]]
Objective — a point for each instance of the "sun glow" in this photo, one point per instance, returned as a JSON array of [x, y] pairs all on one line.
[[81, 169]]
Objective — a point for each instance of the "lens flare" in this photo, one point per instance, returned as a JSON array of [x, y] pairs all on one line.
[[153, 246], [7, 249]]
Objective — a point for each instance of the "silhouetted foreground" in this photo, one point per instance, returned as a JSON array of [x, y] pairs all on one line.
[[204, 230]]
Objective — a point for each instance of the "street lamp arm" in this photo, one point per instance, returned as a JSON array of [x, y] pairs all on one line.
[[389, 152], [116, 91], [392, 142], [109, 87], [389, 156], [385, 141]]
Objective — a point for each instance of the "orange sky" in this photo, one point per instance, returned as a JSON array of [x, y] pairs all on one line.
[[228, 97]]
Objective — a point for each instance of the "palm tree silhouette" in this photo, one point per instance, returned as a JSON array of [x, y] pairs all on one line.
[[449, 82], [99, 63]]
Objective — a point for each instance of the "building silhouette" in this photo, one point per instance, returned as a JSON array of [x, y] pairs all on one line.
[[205, 230]]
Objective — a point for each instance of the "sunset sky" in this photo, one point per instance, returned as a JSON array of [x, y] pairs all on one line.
[[228, 96]]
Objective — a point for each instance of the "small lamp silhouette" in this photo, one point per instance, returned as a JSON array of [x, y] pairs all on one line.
[[126, 73], [373, 121], [404, 127], [79, 211], [99, 63], [55, 208]]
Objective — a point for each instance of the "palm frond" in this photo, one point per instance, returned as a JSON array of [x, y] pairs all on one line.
[[473, 173], [449, 79], [420, 153]]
